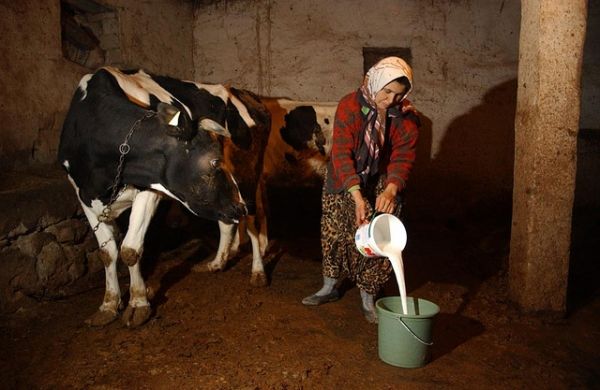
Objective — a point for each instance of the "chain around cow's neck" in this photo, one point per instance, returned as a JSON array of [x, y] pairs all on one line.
[[124, 149]]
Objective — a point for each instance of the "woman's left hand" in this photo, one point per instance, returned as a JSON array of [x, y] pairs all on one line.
[[386, 201]]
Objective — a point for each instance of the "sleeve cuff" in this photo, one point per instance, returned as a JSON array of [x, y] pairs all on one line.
[[354, 188]]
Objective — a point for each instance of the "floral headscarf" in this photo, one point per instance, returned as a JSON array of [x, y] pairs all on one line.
[[373, 133]]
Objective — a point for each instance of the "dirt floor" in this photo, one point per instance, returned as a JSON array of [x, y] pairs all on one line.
[[215, 331]]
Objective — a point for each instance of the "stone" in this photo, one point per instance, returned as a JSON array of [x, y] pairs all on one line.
[[70, 230], [31, 244], [17, 274], [63, 231], [49, 261], [34, 201], [75, 261], [94, 263]]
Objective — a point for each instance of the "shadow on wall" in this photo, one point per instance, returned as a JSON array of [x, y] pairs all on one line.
[[474, 166], [459, 204], [584, 269]]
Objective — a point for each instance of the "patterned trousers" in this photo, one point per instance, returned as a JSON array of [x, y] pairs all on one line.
[[340, 255]]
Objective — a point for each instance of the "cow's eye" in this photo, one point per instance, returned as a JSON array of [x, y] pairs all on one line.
[[215, 163]]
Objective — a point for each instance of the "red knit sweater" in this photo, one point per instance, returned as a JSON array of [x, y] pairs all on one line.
[[396, 157]]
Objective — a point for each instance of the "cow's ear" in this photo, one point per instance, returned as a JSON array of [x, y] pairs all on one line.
[[176, 126], [167, 114]]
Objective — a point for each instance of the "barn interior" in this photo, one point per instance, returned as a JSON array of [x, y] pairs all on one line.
[[502, 208]]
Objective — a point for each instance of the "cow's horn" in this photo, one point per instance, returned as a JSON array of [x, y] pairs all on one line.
[[169, 115], [175, 120], [210, 125]]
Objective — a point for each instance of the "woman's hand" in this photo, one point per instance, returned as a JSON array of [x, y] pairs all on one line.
[[360, 208], [386, 201]]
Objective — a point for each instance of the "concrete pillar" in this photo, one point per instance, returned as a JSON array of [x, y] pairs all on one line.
[[546, 127]]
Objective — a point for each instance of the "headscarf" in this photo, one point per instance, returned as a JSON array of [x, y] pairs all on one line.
[[373, 132]]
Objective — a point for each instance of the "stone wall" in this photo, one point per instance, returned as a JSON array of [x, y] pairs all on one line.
[[37, 82], [46, 244]]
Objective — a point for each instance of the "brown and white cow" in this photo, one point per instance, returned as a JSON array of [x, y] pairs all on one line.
[[244, 156], [298, 147], [293, 152], [300, 140]]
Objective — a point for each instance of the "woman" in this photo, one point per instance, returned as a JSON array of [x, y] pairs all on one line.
[[374, 137]]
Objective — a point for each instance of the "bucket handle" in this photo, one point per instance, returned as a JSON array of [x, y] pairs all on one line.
[[375, 214], [413, 333]]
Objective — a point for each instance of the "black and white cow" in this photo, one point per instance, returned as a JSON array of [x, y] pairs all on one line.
[[126, 143]]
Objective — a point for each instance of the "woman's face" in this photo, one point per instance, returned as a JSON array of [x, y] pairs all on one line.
[[389, 95]]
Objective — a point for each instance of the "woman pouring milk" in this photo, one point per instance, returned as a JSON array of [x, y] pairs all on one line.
[[374, 138]]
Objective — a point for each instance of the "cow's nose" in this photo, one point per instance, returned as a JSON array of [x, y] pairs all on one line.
[[241, 209], [234, 213]]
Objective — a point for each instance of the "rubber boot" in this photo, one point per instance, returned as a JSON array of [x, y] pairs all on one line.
[[368, 306], [327, 293]]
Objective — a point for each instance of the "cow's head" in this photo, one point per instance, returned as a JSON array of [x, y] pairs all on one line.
[[302, 131], [193, 172]]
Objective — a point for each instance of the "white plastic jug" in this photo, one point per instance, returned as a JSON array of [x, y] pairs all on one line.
[[383, 230]]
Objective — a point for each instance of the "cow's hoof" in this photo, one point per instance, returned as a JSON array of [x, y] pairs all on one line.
[[135, 316], [101, 318], [259, 279], [200, 267], [263, 246], [129, 256], [206, 267]]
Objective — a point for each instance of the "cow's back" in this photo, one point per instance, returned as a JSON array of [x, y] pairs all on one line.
[[95, 125], [244, 151]]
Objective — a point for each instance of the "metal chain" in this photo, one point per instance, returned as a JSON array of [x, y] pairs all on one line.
[[124, 149]]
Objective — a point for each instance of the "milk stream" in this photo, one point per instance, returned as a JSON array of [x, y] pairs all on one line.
[[394, 254]]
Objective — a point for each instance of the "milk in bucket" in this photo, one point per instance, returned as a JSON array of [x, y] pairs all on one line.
[[385, 236]]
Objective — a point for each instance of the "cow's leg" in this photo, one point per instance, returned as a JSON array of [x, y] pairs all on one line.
[[261, 218], [239, 238], [138, 310], [258, 278], [108, 253], [227, 232], [226, 237], [143, 208]]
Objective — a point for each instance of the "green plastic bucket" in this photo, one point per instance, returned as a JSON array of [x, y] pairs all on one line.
[[405, 339]]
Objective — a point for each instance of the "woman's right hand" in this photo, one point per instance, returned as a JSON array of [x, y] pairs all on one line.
[[360, 208]]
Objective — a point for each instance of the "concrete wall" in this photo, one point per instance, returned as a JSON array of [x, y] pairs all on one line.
[[464, 55], [546, 138], [36, 82], [312, 50], [590, 79]]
